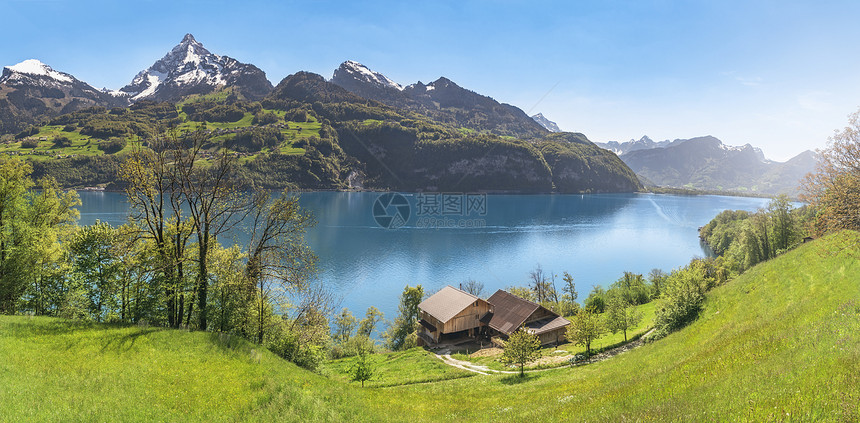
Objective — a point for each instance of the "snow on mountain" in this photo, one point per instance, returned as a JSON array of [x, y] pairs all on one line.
[[362, 73], [546, 123], [189, 68], [36, 76], [35, 68]]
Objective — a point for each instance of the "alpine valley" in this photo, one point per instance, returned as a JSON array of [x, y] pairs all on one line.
[[705, 163]]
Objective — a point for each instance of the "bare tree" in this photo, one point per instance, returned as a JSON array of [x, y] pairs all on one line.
[[155, 197], [473, 287], [215, 202]]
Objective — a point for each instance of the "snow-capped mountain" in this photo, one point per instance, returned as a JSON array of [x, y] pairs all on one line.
[[191, 69], [546, 123], [441, 100], [643, 143], [32, 89], [351, 71], [706, 163]]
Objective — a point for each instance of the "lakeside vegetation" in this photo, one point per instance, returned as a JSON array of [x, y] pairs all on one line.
[[311, 134], [766, 331], [779, 342]]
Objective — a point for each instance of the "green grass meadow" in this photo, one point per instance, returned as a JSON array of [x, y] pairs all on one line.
[[779, 343]]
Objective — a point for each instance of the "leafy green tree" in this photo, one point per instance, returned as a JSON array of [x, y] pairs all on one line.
[[401, 334], [521, 347], [525, 293], [584, 329], [97, 267], [280, 265], [31, 223], [620, 315], [683, 295], [833, 190], [344, 324], [371, 319], [632, 288], [656, 277], [362, 369], [62, 141], [596, 301]]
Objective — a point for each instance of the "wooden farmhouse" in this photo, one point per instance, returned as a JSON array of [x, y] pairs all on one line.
[[451, 314], [510, 312]]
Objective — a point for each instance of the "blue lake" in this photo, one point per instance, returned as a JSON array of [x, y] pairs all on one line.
[[498, 241]]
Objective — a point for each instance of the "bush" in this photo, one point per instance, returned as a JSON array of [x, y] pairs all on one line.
[[354, 346], [70, 128], [596, 301], [256, 139], [683, 295], [27, 132], [62, 141], [114, 145], [297, 115], [29, 144], [265, 118]]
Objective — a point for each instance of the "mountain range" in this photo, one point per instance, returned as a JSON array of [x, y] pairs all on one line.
[[31, 93], [442, 100], [361, 129], [705, 163]]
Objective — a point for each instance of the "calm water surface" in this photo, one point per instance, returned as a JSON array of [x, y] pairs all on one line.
[[593, 237]]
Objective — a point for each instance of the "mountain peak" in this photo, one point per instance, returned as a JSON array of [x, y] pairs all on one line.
[[546, 123], [191, 69], [361, 73], [37, 68]]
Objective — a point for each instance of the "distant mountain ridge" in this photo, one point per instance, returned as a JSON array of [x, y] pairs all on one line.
[[442, 100], [191, 69], [706, 163], [546, 123], [31, 89]]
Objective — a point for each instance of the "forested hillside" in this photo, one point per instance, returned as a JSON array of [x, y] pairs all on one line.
[[312, 134]]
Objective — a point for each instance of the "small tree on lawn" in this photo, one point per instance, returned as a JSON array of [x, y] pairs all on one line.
[[520, 348], [584, 329], [362, 369], [620, 315]]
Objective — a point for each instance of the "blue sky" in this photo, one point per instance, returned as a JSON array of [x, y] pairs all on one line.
[[780, 75]]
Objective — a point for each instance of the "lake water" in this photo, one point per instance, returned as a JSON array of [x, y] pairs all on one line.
[[494, 239]]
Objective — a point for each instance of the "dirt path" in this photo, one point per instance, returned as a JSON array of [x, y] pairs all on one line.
[[484, 370]]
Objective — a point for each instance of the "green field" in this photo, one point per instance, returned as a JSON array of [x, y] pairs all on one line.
[[779, 343], [568, 350]]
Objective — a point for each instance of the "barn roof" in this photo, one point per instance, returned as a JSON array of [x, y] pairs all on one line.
[[547, 325], [447, 303], [509, 311]]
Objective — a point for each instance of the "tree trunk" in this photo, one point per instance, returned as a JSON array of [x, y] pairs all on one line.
[[202, 270]]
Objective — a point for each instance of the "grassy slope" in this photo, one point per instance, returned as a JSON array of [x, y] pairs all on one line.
[[604, 342], [770, 345], [399, 368]]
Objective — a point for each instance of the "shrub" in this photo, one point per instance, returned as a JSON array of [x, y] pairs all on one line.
[[265, 118], [114, 145], [596, 303], [29, 144], [62, 141], [70, 128], [27, 132], [683, 295]]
